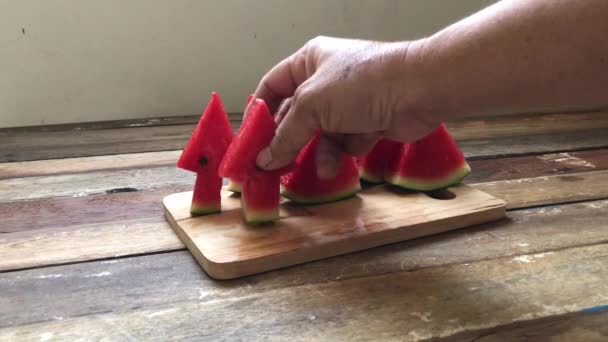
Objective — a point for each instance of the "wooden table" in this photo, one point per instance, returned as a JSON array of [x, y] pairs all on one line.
[[85, 252]]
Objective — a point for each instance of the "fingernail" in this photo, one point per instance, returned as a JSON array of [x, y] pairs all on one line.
[[264, 158]]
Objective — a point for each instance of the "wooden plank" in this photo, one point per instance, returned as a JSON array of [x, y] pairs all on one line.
[[487, 170], [84, 184], [112, 124], [226, 247], [519, 125], [97, 125], [73, 211], [64, 218], [98, 208], [55, 145], [526, 192], [54, 246], [88, 164], [483, 169], [534, 144], [579, 326], [81, 289], [507, 134], [409, 305]]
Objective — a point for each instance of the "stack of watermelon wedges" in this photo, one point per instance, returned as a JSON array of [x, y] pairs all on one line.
[[213, 153]]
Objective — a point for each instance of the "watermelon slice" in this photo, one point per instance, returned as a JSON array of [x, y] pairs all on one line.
[[302, 185], [235, 184], [431, 163], [203, 155], [260, 197], [373, 165]]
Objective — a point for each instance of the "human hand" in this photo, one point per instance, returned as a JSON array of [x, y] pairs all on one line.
[[355, 91]]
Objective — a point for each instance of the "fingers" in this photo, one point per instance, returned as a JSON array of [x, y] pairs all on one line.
[[329, 155], [282, 80], [283, 109], [359, 144], [332, 147], [295, 130]]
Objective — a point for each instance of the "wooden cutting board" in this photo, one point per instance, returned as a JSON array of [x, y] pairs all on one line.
[[226, 247]]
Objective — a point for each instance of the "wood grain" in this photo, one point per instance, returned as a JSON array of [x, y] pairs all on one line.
[[97, 208], [88, 164], [500, 135], [534, 144], [483, 169], [528, 192], [487, 170], [82, 289], [63, 218], [226, 247], [84, 184], [579, 326], [73, 211], [407, 306], [519, 125]]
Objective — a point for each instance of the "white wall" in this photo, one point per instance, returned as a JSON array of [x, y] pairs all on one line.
[[88, 60]]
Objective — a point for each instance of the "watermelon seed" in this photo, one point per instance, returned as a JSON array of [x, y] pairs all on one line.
[[204, 161]]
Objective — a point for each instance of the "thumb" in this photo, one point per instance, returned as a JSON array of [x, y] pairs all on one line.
[[294, 131]]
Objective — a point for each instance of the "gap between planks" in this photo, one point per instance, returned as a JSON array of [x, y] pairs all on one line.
[[527, 237], [412, 305], [42, 247], [571, 131]]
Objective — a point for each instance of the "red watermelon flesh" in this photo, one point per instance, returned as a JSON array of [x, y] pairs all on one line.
[[373, 165], [203, 155], [235, 184], [256, 132], [303, 185], [260, 197], [431, 163]]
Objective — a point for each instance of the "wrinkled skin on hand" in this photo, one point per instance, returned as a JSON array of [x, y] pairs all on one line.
[[355, 91]]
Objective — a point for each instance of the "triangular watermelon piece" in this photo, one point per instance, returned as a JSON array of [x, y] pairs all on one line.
[[203, 155], [235, 184], [303, 185], [260, 197], [373, 165], [431, 163]]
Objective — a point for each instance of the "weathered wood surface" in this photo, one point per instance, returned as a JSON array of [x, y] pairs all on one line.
[[579, 326], [83, 184], [541, 262], [487, 170], [88, 164], [527, 192], [503, 135], [527, 124], [97, 208], [60, 144], [96, 125], [403, 305], [483, 169], [77, 226], [82, 289], [88, 183]]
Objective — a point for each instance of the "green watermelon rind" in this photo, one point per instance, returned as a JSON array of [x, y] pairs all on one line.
[[369, 177], [199, 209], [259, 216], [333, 197], [455, 177], [234, 186]]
